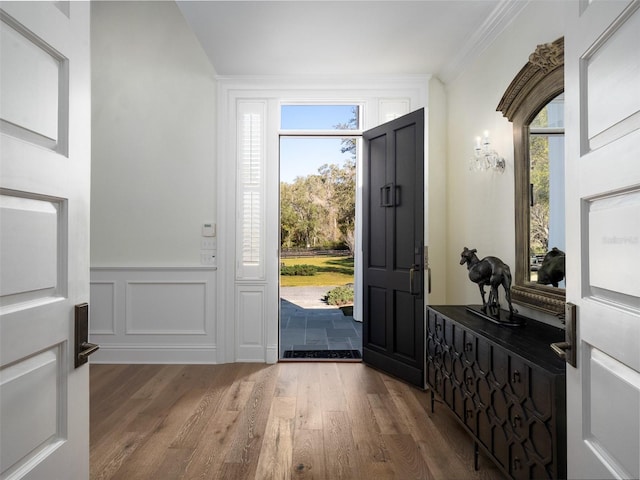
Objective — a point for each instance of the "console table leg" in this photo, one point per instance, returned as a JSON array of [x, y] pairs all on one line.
[[476, 454]]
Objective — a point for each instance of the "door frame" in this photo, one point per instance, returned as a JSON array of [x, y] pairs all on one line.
[[380, 97], [320, 134]]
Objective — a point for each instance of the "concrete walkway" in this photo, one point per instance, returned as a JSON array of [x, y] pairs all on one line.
[[306, 297]]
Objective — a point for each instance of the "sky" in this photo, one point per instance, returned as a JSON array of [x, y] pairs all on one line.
[[300, 156]]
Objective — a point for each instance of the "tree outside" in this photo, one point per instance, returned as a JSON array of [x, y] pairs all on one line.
[[318, 210], [539, 179], [317, 216]]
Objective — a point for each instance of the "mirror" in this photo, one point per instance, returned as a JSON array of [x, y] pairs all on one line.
[[534, 103]]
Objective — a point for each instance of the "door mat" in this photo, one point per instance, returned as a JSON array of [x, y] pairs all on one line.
[[330, 354]]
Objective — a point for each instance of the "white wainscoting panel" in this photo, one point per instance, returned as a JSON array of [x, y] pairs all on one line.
[[166, 308], [250, 326], [153, 315], [103, 308]]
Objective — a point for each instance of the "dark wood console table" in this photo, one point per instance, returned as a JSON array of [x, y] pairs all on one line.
[[506, 387]]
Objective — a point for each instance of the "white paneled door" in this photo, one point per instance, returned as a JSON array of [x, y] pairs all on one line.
[[44, 237], [602, 76]]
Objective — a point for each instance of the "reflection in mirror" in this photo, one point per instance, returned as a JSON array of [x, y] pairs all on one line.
[[546, 195]]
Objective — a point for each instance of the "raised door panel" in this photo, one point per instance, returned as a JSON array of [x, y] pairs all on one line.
[[406, 187], [377, 218], [404, 334], [377, 307], [34, 88], [32, 410], [32, 243]]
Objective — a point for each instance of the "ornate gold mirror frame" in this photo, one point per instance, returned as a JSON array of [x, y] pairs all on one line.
[[537, 83]]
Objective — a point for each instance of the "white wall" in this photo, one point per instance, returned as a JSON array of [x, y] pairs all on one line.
[[436, 194], [481, 204], [153, 185], [153, 101]]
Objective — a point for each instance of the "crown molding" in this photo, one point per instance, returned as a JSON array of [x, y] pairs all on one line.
[[323, 80], [492, 27]]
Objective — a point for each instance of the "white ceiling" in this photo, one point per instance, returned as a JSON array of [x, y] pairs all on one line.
[[346, 37]]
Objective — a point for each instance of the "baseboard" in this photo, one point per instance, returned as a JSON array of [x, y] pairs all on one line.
[[272, 354], [170, 354]]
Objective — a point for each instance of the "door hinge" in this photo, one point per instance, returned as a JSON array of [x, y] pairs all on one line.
[[427, 267]]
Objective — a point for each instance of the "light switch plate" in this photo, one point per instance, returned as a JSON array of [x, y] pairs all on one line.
[[207, 257], [208, 243]]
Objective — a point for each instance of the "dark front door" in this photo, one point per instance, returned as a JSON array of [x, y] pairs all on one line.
[[393, 193]]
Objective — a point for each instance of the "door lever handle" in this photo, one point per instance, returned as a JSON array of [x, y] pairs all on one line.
[[387, 195], [87, 349], [560, 349], [412, 273], [567, 350]]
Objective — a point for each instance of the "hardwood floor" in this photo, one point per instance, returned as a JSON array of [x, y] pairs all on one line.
[[303, 420]]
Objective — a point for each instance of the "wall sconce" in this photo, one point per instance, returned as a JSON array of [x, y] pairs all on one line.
[[484, 157]]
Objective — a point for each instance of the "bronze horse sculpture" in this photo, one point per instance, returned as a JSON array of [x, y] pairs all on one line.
[[489, 271]]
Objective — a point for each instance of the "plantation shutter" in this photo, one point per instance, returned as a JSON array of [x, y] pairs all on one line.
[[251, 188]]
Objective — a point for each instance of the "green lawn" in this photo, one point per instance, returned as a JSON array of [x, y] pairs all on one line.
[[332, 271]]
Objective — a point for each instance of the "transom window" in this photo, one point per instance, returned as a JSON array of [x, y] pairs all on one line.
[[322, 118]]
